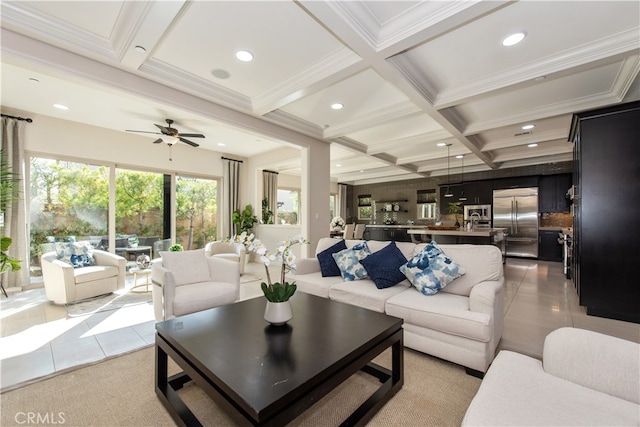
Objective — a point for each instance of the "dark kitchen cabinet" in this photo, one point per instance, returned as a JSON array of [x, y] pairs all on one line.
[[548, 247], [478, 192], [386, 234], [515, 182], [552, 191], [606, 205]]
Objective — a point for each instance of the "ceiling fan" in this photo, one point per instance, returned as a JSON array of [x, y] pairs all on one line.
[[172, 133]]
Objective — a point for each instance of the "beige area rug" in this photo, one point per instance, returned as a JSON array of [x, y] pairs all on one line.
[[115, 301], [120, 392]]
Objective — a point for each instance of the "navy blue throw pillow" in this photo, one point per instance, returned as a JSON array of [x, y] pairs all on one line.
[[383, 267], [328, 266]]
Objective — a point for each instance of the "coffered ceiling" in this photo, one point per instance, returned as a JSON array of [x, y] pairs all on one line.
[[409, 75]]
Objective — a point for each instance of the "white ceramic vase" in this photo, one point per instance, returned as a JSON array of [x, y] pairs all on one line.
[[278, 313]]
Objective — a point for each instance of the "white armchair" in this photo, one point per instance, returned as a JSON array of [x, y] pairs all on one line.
[[189, 281], [228, 250], [64, 284]]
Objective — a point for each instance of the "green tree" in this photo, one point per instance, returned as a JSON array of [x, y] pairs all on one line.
[[195, 198]]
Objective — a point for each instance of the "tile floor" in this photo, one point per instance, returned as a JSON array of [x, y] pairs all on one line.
[[38, 338]]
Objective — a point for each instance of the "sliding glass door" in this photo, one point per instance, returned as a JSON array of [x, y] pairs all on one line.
[[196, 211], [69, 201]]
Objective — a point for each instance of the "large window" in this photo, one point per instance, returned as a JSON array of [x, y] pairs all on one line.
[[288, 206], [196, 209], [69, 201]]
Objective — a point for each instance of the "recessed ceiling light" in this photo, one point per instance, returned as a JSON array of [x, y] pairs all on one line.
[[60, 107], [532, 145], [361, 170], [338, 165], [244, 55], [337, 106], [441, 144], [221, 144], [220, 73], [140, 49], [459, 156], [514, 39], [527, 127]]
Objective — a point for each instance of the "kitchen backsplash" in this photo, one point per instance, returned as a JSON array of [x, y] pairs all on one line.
[[556, 219]]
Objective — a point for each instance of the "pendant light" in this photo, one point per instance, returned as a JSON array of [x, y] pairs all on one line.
[[462, 198], [448, 193]]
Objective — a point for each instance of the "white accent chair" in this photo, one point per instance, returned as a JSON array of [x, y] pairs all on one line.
[[358, 234], [348, 231], [64, 284], [189, 281], [228, 250], [584, 379]]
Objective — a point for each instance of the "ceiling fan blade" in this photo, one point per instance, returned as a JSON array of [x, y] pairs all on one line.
[[142, 131], [191, 143], [157, 141], [165, 130], [192, 135]]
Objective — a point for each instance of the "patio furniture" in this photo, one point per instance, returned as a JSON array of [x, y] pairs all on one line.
[[189, 281], [64, 284]]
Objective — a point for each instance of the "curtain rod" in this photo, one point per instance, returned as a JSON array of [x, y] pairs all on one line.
[[233, 160], [27, 119], [267, 170]]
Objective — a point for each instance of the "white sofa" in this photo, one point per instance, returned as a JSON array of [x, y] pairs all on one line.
[[462, 323], [586, 379]]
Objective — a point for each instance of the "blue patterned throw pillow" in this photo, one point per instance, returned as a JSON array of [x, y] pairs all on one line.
[[78, 254], [328, 266], [431, 270], [348, 261], [383, 267]]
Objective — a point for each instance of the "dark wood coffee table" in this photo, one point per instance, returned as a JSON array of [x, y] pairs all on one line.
[[266, 375]]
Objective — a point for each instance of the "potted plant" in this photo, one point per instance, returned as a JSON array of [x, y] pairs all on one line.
[[337, 223], [176, 248], [278, 310], [455, 208], [7, 195], [244, 220]]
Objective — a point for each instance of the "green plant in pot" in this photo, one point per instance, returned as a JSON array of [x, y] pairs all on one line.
[[176, 248], [280, 292], [244, 219], [8, 193], [455, 208]]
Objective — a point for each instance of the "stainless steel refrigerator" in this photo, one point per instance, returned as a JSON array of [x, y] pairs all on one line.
[[516, 210]]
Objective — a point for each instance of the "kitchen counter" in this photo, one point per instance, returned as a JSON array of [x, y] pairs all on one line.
[[489, 232], [395, 226], [488, 236]]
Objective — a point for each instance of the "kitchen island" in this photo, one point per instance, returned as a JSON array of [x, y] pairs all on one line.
[[385, 232], [479, 236]]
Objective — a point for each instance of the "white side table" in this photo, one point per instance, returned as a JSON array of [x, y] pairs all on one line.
[[144, 271]]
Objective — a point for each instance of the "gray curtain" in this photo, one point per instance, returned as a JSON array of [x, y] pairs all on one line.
[[231, 192], [341, 209], [270, 190], [15, 224]]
